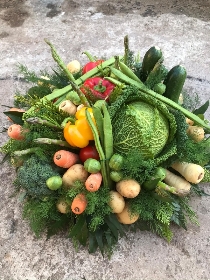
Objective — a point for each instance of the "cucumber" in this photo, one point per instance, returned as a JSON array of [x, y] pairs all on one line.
[[174, 82], [150, 59]]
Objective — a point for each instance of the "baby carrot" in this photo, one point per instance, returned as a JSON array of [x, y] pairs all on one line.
[[93, 182], [65, 159], [79, 204]]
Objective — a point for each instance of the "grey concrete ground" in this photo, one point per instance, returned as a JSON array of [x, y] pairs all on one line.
[[182, 31]]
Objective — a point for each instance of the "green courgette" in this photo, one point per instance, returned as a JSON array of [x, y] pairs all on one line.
[[151, 57], [174, 82]]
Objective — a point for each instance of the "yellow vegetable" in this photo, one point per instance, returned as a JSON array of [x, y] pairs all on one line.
[[74, 66], [125, 217], [196, 133], [193, 173], [117, 202], [181, 185], [76, 173], [128, 188]]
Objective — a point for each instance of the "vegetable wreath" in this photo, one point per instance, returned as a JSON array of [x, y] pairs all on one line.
[[107, 147]]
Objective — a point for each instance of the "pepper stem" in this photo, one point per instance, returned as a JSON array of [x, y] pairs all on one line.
[[100, 88]]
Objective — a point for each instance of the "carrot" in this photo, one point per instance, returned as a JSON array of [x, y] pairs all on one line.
[[16, 131], [181, 186], [93, 182], [196, 133], [13, 109], [65, 159], [79, 204], [193, 173]]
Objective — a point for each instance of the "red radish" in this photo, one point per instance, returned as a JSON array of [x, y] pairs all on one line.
[[65, 158], [16, 131], [93, 182]]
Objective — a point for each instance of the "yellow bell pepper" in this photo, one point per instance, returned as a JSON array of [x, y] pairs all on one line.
[[79, 134]]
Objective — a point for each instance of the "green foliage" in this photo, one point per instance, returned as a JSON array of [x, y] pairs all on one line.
[[32, 176], [136, 167], [206, 177], [43, 215], [157, 75]]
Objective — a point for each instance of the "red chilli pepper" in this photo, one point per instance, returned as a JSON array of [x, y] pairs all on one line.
[[97, 88], [90, 65]]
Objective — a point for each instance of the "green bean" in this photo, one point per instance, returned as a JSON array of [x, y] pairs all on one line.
[[99, 123], [127, 71], [98, 148], [108, 140], [108, 135]]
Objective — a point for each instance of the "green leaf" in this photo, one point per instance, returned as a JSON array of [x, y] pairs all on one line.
[[77, 227], [113, 228], [113, 219], [83, 235], [5, 158], [99, 238], [16, 117], [93, 245], [202, 109]]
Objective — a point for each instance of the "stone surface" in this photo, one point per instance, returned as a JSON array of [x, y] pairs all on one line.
[[182, 31]]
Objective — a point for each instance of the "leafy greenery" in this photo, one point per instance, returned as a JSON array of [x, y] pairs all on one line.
[[32, 176]]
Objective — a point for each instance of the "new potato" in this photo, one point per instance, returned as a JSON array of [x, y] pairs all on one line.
[[128, 188], [125, 217], [117, 202], [75, 173]]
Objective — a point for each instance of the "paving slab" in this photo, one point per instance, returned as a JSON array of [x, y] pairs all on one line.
[[182, 31]]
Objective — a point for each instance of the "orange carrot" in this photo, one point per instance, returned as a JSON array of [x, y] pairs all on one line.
[[16, 131], [15, 110], [65, 158], [79, 204], [93, 182]]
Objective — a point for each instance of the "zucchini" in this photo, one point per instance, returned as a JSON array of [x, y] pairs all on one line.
[[174, 82], [150, 59]]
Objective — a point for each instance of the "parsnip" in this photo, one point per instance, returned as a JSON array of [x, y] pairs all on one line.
[[193, 173], [196, 133], [181, 186]]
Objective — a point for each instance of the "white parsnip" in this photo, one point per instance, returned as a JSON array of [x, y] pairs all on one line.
[[193, 173], [196, 133], [182, 187]]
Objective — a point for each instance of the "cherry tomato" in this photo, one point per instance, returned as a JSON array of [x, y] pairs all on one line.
[[88, 152]]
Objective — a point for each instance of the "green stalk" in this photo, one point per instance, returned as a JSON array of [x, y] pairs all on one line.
[[126, 49], [26, 151], [166, 187], [165, 100], [52, 142], [60, 62], [36, 120], [90, 57]]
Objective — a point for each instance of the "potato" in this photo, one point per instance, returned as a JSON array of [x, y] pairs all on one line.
[[75, 173], [63, 207], [125, 217], [117, 202], [128, 188]]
